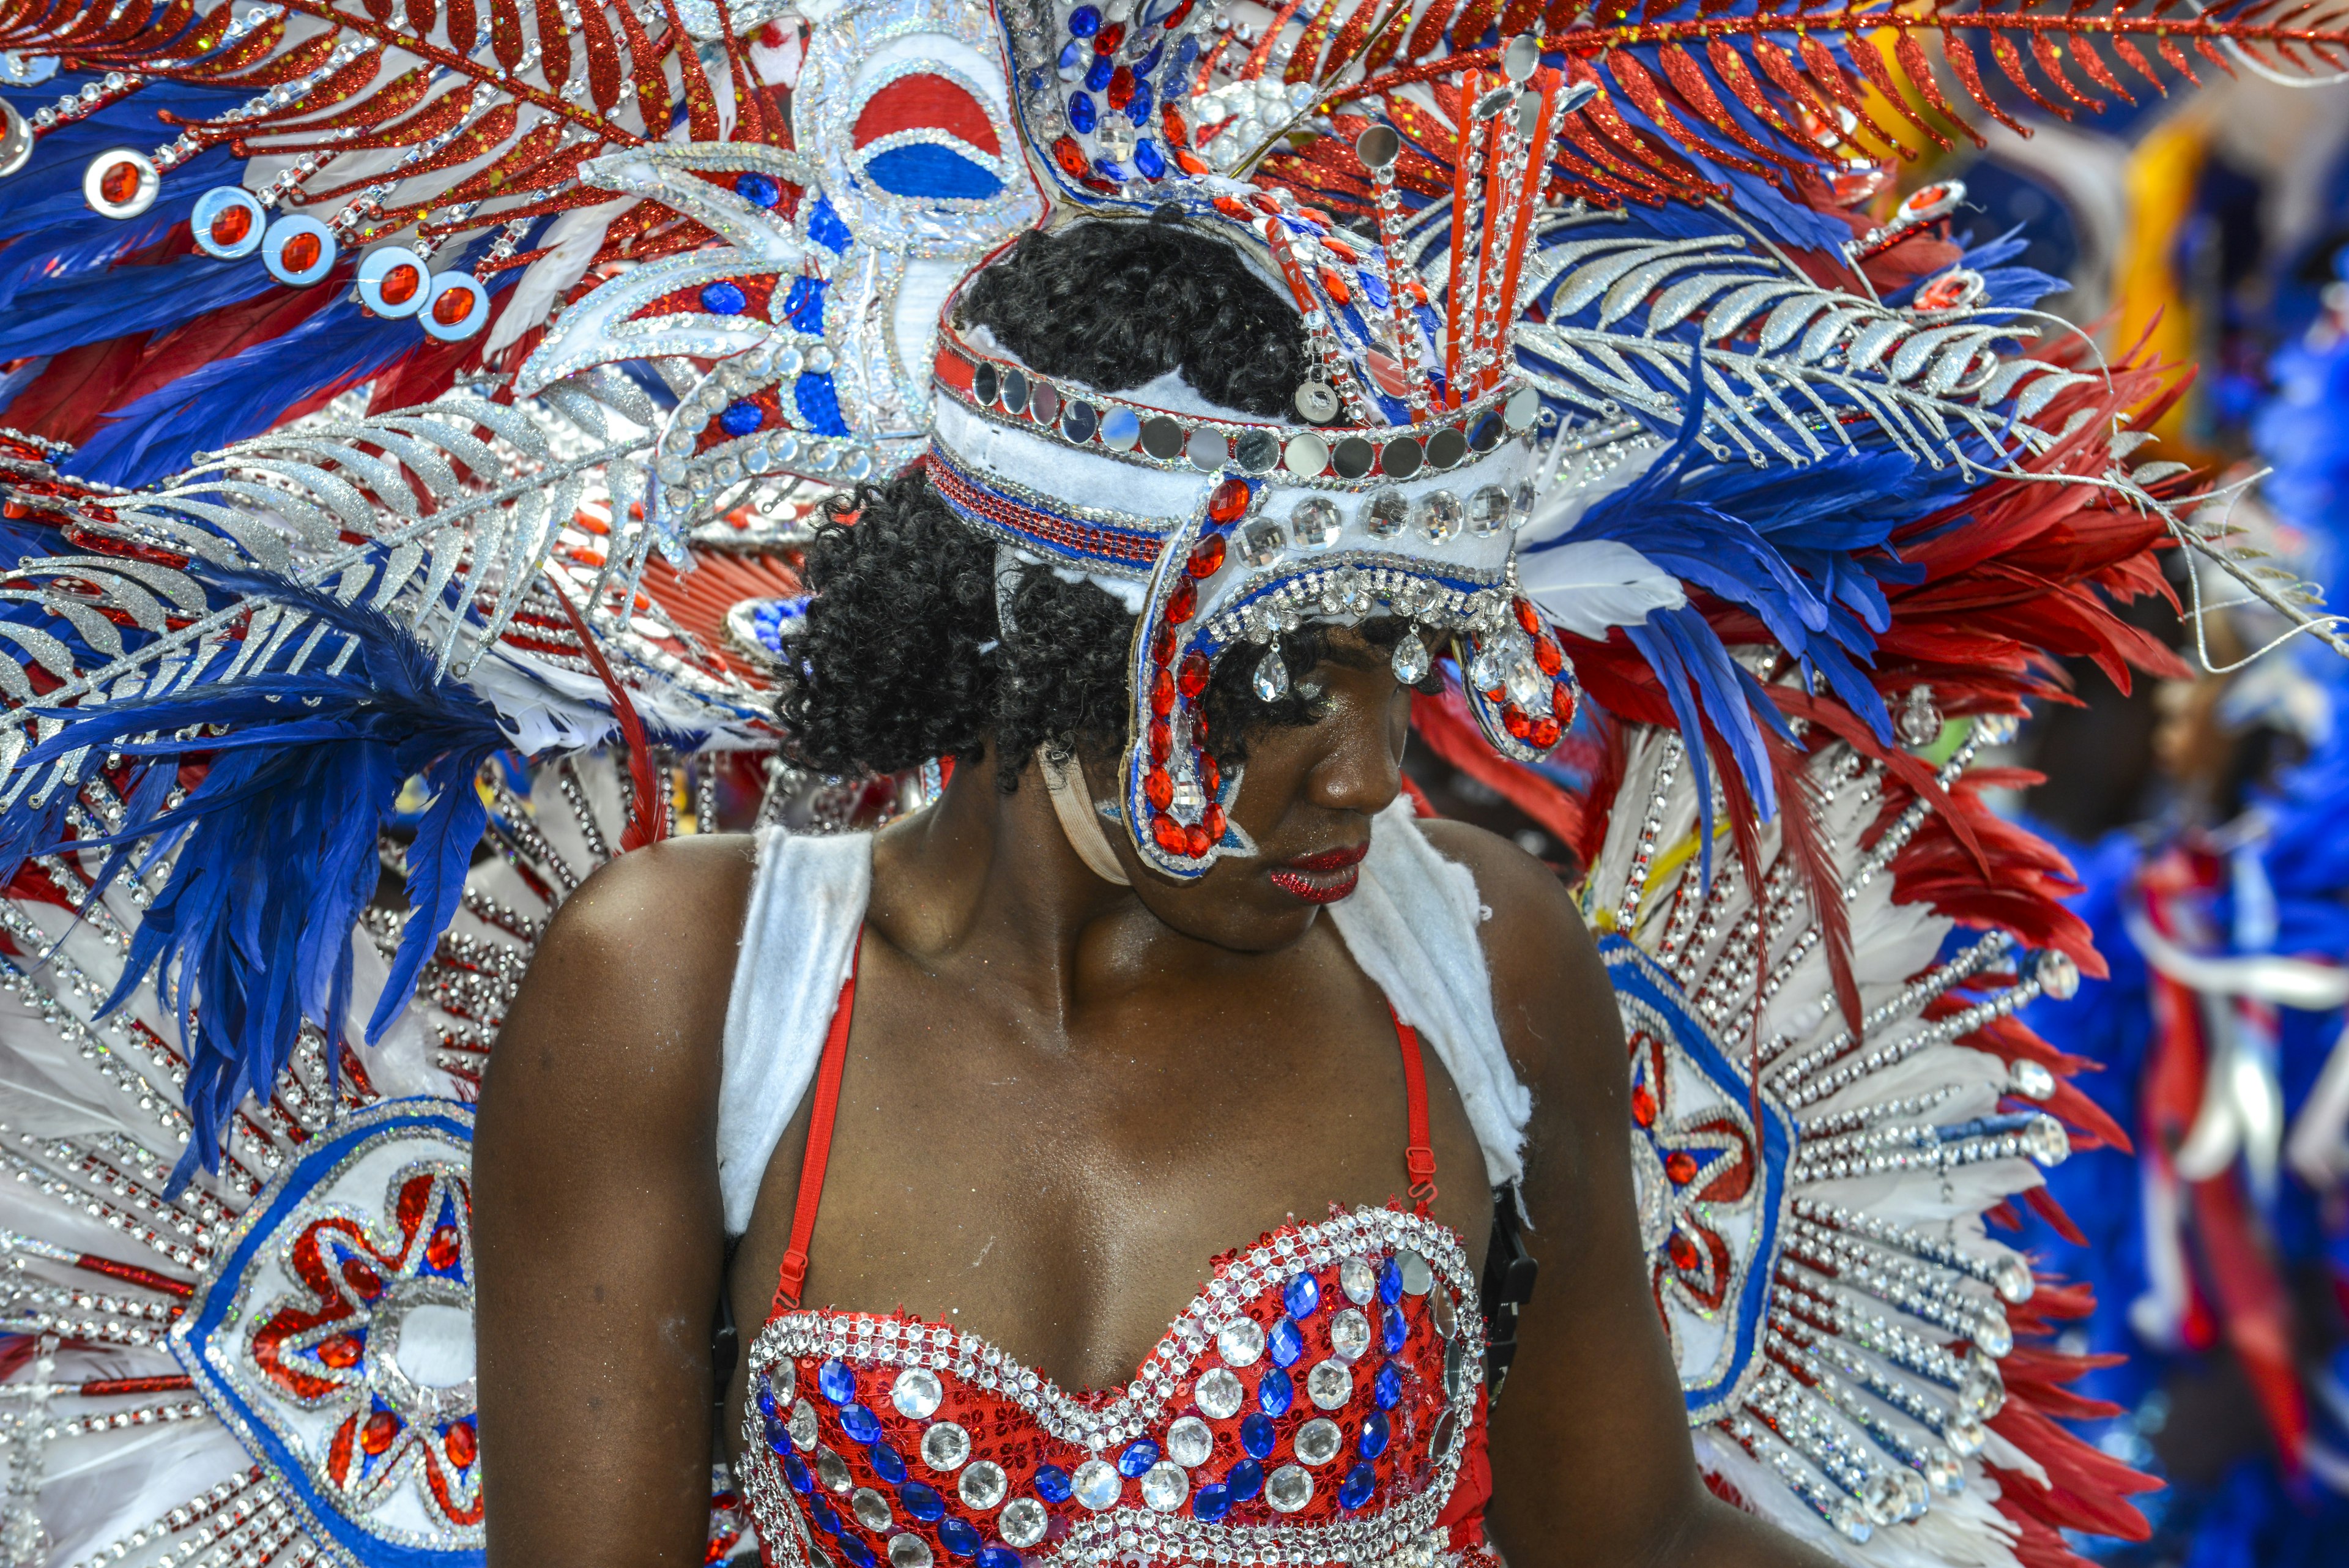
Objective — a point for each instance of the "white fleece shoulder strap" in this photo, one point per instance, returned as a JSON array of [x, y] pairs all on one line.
[[807, 906], [1412, 924]]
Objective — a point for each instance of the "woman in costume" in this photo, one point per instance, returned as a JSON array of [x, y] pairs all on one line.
[[1070, 1081], [1627, 380]]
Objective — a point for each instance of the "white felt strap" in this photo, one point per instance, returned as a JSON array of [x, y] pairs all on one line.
[[807, 905], [1412, 924]]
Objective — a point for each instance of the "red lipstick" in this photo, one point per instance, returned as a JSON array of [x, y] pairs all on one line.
[[1324, 878]]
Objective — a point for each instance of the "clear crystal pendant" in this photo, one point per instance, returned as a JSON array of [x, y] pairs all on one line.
[[1271, 676], [1411, 659]]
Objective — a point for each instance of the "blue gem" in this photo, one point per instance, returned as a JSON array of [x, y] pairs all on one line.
[[922, 1502], [1393, 1329], [1373, 288], [1052, 1483], [1210, 1503], [779, 1437], [1387, 1386], [887, 1463], [1097, 74], [858, 1554], [998, 1557], [740, 419], [1149, 160], [723, 299], [1080, 112], [1276, 1394], [1391, 1282], [757, 190], [1284, 1342], [1084, 21], [1137, 1458], [1303, 1294], [1245, 1480], [797, 1474], [767, 1401], [1256, 1435], [1376, 1428], [1186, 55], [958, 1537], [861, 1424], [838, 1383], [1360, 1481], [1148, 62], [1074, 59], [1138, 110], [826, 1520]]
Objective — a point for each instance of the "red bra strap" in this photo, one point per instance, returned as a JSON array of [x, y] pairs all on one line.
[[1419, 1159], [819, 1143]]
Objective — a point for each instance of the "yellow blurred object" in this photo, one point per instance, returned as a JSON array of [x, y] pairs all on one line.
[[2161, 176]]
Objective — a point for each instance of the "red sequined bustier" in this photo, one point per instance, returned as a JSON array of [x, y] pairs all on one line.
[[1320, 1402]]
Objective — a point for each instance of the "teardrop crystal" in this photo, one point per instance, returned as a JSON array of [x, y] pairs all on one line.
[[1411, 659], [1271, 677]]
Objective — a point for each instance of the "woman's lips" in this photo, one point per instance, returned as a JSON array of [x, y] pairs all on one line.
[[1322, 879]]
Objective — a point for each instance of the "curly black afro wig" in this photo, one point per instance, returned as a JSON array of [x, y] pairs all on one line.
[[903, 657]]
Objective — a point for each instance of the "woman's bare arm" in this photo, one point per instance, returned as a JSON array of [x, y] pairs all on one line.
[[1591, 1458], [597, 1229]]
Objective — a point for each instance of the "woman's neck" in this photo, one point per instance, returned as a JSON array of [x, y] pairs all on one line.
[[984, 877]]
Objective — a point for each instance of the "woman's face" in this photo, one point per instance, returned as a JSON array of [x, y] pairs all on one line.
[[1305, 798]]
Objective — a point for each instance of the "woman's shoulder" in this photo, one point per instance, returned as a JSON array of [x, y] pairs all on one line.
[[631, 976], [1547, 978]]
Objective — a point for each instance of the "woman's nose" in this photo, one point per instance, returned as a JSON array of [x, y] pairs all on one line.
[[1362, 768]]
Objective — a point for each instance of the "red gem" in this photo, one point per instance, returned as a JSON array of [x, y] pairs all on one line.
[[1682, 1252], [1171, 121], [1229, 500], [463, 1444], [1643, 1104], [1318, 218], [230, 224], [1527, 619], [1546, 655], [1211, 777], [363, 1280], [454, 306], [1175, 17], [1169, 833], [1162, 694], [1681, 1166], [1514, 720], [378, 1433], [1161, 740], [1193, 677], [1546, 734], [1121, 87], [1214, 822], [1196, 842], [397, 286], [1188, 162], [1562, 701], [1183, 602], [1233, 207], [119, 182], [1070, 158], [1106, 41], [343, 1350], [1208, 558], [1159, 787], [1199, 728], [444, 1250], [1334, 285], [1162, 647], [300, 253], [1341, 250]]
